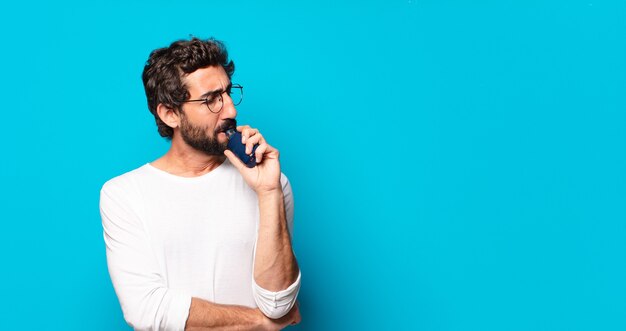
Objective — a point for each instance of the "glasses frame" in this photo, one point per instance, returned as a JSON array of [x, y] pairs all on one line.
[[220, 94]]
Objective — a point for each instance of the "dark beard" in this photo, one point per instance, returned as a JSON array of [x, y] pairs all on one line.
[[197, 138]]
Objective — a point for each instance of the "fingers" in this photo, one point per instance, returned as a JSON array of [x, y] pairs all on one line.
[[266, 151], [258, 154], [251, 137], [246, 132], [234, 159], [257, 138]]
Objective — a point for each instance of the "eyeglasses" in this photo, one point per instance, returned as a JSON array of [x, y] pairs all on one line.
[[215, 100]]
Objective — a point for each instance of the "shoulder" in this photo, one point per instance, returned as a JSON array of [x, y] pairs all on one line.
[[124, 183], [120, 201]]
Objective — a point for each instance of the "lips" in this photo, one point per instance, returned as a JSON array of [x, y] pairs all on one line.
[[226, 125]]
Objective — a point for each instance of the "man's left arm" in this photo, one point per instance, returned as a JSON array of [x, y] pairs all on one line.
[[276, 273]]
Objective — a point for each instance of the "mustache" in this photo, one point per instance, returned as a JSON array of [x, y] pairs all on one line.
[[229, 123]]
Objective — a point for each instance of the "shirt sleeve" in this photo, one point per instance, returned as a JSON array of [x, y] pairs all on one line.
[[147, 303], [278, 304], [288, 199]]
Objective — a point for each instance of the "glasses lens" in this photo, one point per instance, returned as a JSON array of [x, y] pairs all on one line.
[[236, 94], [215, 103]]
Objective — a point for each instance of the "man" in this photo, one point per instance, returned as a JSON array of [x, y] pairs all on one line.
[[195, 240]]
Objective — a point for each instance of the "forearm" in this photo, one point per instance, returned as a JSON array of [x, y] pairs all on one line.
[[205, 315], [275, 266]]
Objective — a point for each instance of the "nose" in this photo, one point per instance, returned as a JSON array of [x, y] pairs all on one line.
[[229, 110]]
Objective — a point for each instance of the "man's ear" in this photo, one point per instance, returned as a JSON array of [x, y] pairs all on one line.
[[168, 115]]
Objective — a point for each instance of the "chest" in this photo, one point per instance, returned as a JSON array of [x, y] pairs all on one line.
[[184, 224]]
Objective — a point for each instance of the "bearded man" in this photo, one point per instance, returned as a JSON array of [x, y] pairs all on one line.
[[197, 240]]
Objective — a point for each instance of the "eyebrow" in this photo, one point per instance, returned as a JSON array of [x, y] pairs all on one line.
[[230, 85]]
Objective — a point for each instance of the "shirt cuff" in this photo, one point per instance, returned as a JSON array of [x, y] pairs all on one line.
[[276, 304]]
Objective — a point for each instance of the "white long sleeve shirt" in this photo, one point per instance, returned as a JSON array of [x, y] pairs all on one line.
[[170, 238]]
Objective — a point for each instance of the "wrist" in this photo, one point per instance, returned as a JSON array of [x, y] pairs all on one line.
[[269, 194]]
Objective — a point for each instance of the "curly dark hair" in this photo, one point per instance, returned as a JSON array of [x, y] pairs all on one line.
[[163, 73]]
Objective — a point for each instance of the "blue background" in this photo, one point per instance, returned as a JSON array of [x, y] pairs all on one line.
[[456, 165]]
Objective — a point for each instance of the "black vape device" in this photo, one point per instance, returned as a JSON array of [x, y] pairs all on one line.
[[239, 149]]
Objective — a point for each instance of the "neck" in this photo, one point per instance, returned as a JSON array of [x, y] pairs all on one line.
[[184, 161]]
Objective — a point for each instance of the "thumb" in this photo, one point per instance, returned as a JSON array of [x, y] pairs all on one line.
[[234, 159]]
